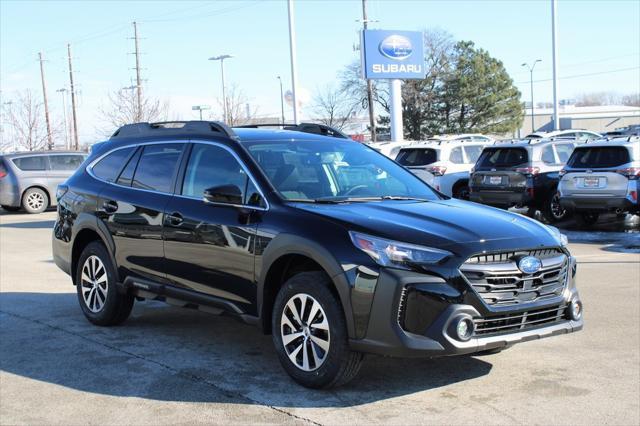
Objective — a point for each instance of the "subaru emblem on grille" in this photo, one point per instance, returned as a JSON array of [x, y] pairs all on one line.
[[529, 264]]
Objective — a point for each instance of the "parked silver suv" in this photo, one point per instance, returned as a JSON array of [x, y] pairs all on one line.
[[600, 177], [29, 180]]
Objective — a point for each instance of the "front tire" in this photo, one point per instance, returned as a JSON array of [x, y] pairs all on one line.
[[461, 192], [310, 334], [35, 200], [96, 287]]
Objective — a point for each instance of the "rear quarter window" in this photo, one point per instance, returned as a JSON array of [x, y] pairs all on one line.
[[109, 167], [65, 162], [35, 163], [599, 157], [503, 157], [417, 156]]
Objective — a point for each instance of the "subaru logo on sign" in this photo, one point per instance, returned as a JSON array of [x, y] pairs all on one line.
[[396, 47], [529, 264]]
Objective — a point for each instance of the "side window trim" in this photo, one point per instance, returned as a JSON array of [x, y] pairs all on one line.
[[183, 167]]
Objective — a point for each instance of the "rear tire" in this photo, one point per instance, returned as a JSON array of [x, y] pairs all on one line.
[[35, 200], [461, 192], [96, 287], [11, 208], [552, 210], [309, 317], [587, 219]]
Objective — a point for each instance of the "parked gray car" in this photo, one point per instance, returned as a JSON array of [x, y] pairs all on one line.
[[602, 177], [29, 180]]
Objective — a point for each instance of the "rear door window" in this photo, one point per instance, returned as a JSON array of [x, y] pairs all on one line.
[[473, 153], [109, 167], [599, 157], [456, 155], [547, 155], [27, 164], [157, 166], [503, 157], [65, 162], [417, 156]]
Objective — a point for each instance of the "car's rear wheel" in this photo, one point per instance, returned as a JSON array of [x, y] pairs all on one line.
[[461, 192], [35, 200], [310, 333], [11, 208], [552, 210], [98, 294], [587, 219]]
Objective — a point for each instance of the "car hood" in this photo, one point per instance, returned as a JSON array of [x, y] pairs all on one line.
[[458, 226]]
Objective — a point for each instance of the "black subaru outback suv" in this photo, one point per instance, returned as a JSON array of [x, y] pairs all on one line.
[[326, 244]]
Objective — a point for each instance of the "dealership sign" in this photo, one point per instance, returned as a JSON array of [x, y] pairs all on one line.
[[393, 54]]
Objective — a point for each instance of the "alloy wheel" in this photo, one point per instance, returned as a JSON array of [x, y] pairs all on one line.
[[94, 284], [35, 200], [304, 329], [556, 209]]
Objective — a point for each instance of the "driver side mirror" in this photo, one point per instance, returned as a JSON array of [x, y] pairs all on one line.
[[223, 194]]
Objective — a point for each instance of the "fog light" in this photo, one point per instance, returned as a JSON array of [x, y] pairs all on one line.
[[464, 328], [575, 310]]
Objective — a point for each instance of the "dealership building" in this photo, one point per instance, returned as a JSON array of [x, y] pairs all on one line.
[[603, 118]]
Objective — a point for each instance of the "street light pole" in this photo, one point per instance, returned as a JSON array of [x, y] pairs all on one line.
[[293, 58], [221, 58], [533, 127], [281, 99], [63, 92]]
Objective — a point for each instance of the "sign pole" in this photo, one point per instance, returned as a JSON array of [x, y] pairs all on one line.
[[397, 132], [292, 51]]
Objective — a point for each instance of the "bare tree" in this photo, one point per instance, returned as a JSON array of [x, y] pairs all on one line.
[[239, 111], [123, 109], [333, 108], [25, 118], [632, 99]]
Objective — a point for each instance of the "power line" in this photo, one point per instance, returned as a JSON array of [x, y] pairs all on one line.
[[582, 75], [595, 61]]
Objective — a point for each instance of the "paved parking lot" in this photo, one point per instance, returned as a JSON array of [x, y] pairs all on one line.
[[170, 365]]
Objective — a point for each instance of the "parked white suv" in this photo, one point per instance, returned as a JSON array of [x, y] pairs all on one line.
[[445, 164], [600, 177]]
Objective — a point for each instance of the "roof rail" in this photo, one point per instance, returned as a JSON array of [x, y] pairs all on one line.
[[168, 127], [315, 128]]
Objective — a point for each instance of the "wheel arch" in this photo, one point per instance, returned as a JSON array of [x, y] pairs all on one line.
[[288, 255], [89, 230]]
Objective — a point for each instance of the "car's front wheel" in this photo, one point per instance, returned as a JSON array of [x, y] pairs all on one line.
[[310, 333], [98, 294]]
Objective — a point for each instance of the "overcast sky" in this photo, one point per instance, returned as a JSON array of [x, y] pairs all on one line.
[[599, 45]]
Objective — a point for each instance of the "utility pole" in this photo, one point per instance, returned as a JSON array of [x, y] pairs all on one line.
[[138, 80], [372, 115], [76, 145], [531, 67], [281, 99], [554, 46], [221, 58], [46, 104], [293, 58]]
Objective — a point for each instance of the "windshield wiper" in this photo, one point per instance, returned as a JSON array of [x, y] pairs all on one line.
[[401, 197]]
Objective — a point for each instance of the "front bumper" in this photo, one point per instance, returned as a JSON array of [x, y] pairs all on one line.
[[443, 304], [598, 204]]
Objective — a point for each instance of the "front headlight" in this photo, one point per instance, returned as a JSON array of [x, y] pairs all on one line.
[[562, 238], [396, 254]]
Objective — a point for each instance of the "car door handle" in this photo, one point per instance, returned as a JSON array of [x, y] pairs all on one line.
[[110, 206], [175, 218]]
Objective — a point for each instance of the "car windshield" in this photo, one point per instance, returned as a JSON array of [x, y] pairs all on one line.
[[335, 171]]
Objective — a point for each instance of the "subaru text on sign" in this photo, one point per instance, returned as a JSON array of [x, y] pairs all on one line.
[[393, 54]]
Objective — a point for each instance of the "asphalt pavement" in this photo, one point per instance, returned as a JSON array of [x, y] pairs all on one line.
[[168, 365]]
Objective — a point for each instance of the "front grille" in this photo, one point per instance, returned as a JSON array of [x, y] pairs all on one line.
[[519, 321], [497, 279]]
